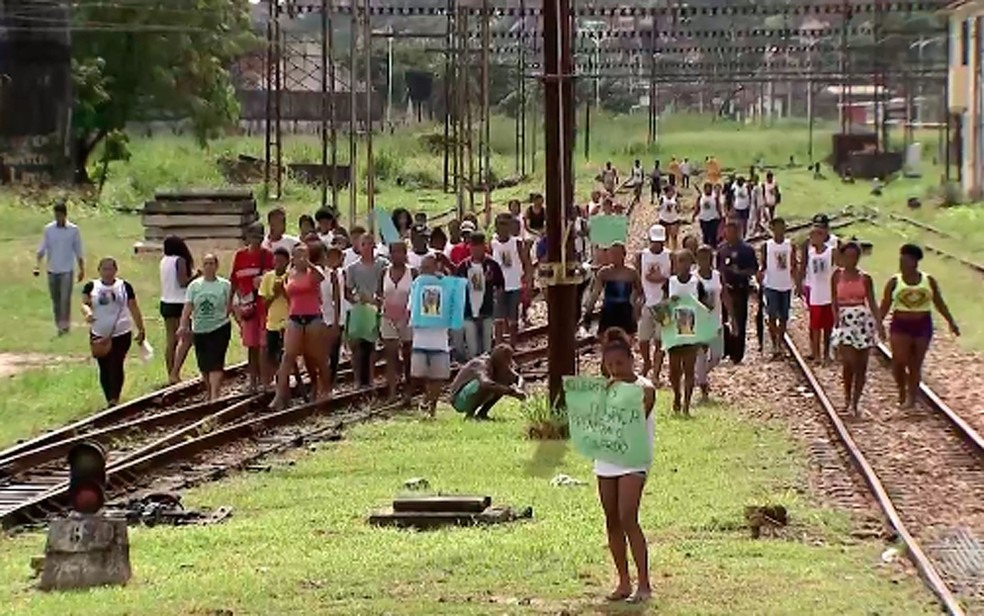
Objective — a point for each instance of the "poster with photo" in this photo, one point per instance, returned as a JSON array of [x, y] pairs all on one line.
[[687, 321]]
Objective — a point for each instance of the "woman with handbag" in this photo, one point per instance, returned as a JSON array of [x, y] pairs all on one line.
[[109, 306]]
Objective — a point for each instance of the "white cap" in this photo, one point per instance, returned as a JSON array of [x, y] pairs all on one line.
[[657, 233], [467, 226]]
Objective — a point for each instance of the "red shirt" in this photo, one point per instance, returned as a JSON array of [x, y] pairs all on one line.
[[459, 252], [247, 265]]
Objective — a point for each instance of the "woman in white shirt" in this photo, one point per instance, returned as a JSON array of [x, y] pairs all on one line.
[[176, 269], [619, 487], [669, 217], [742, 204], [109, 306]]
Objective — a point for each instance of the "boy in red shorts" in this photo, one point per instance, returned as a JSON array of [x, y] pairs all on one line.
[[818, 269]]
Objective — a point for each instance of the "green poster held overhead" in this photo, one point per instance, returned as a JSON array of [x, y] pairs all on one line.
[[607, 422], [607, 229], [687, 321]]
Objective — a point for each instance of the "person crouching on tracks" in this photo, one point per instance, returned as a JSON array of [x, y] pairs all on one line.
[[620, 488], [622, 291], [430, 359], [717, 299], [818, 268], [857, 330], [206, 319], [483, 381], [683, 359], [394, 324], [910, 297], [777, 273], [305, 335], [653, 265]]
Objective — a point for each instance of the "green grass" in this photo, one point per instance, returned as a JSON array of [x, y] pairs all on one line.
[[298, 542]]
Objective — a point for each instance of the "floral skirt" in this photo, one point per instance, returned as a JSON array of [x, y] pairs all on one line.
[[855, 328]]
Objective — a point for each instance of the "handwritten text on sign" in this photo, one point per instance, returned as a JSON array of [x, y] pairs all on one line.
[[607, 422]]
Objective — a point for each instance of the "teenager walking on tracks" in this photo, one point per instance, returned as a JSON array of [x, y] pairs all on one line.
[[910, 297]]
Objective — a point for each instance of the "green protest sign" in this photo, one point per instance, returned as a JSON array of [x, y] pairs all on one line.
[[687, 321], [607, 422], [607, 229]]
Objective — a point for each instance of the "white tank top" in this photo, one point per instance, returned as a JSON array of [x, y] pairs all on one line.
[[506, 254], [684, 289], [708, 208], [712, 287], [414, 260], [742, 197], [396, 295], [778, 272], [110, 309], [328, 297], [669, 210], [608, 469], [769, 193], [819, 269], [171, 291], [648, 260]]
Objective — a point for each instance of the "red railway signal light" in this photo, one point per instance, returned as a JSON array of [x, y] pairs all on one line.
[[87, 478]]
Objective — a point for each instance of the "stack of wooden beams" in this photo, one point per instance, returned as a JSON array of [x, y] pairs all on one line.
[[214, 216]]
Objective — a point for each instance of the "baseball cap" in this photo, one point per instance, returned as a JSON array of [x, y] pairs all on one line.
[[467, 227], [657, 233], [821, 220]]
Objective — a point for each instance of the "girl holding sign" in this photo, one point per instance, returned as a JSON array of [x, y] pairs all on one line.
[[620, 488]]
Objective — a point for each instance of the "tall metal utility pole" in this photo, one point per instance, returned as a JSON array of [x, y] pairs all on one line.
[[370, 163], [558, 113], [333, 128], [353, 119], [325, 103], [486, 118]]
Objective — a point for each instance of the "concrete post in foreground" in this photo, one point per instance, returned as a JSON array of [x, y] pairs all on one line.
[[85, 551]]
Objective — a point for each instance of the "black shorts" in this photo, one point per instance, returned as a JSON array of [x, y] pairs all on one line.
[[618, 315], [211, 347], [275, 345], [171, 311]]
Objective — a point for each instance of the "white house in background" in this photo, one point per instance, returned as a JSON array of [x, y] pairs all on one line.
[[966, 105]]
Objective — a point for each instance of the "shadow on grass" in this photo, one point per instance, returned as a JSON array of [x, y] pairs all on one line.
[[547, 458]]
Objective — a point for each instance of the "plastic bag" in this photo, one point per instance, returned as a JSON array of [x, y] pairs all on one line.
[[363, 323], [146, 351]]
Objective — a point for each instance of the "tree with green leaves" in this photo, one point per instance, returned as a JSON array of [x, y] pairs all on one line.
[[136, 60]]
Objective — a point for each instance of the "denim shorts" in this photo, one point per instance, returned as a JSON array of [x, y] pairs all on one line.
[[777, 303]]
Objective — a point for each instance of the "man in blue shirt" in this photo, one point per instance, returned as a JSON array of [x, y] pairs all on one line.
[[61, 245], [737, 262]]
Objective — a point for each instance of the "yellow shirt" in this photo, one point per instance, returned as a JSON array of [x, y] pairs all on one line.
[[277, 309]]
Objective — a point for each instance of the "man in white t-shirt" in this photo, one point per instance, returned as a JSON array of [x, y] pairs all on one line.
[[778, 273], [653, 265], [685, 171], [277, 236]]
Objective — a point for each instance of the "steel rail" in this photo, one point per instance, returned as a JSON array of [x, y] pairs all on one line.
[[925, 567]]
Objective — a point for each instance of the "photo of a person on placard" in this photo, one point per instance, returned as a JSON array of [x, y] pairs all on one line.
[[431, 304], [685, 321]]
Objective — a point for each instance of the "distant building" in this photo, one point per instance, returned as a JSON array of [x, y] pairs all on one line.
[[966, 104]]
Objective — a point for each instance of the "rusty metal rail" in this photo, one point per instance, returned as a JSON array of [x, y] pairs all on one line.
[[36, 486], [923, 563]]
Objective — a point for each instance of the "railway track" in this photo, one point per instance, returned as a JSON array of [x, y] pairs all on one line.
[[33, 475], [925, 469]]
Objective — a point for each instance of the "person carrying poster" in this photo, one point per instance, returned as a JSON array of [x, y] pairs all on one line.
[[436, 307], [620, 487], [683, 357]]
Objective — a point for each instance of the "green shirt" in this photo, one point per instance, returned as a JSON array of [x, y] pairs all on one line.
[[210, 299]]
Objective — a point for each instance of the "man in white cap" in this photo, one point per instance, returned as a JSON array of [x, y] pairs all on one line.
[[653, 264], [654, 268], [462, 250]]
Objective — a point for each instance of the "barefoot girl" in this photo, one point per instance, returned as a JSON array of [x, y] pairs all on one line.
[[620, 488], [910, 296], [305, 335], [623, 293], [853, 301], [394, 326]]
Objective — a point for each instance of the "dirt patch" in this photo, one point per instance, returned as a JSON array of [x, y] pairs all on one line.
[[12, 364]]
